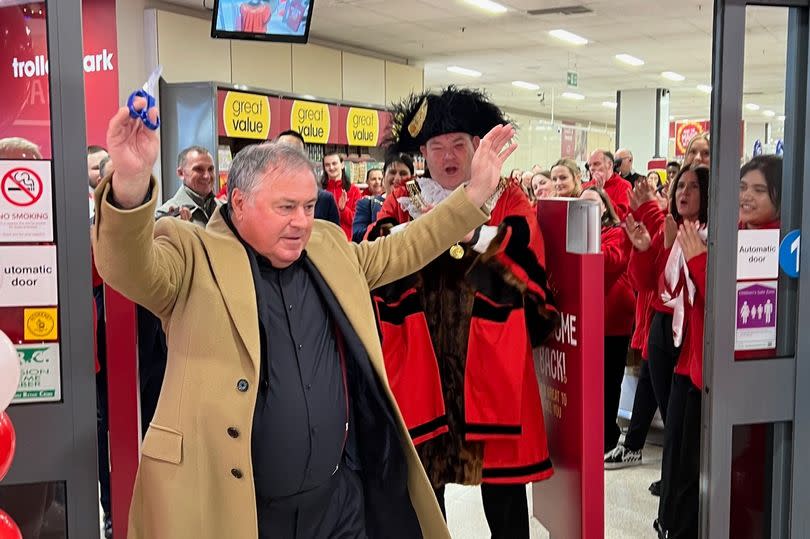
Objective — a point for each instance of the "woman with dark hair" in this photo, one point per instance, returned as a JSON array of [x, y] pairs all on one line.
[[542, 186], [397, 170], [761, 192], [346, 194], [654, 179], [679, 271], [619, 309]]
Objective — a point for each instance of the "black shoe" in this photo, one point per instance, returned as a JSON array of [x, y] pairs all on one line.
[[655, 488], [107, 526]]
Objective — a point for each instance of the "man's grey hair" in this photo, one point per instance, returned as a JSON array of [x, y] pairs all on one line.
[[251, 165], [181, 157], [18, 144]]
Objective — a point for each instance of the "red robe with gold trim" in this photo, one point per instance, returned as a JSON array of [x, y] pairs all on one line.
[[457, 340]]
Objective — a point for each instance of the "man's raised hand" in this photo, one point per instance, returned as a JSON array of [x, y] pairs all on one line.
[[487, 163], [134, 149]]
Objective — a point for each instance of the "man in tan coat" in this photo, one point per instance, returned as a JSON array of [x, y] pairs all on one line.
[[276, 418]]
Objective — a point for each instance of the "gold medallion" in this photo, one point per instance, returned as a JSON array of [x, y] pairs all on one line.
[[457, 251]]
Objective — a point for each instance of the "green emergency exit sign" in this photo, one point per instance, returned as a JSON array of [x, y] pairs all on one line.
[[572, 79]]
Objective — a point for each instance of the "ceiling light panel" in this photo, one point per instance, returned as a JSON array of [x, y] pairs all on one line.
[[488, 6], [464, 71], [568, 37], [671, 75], [525, 85], [629, 60]]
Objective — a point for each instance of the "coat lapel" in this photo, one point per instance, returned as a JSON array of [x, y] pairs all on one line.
[[348, 296], [231, 268]]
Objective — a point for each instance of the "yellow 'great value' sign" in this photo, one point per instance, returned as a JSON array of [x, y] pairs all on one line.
[[246, 115], [362, 127], [312, 120]]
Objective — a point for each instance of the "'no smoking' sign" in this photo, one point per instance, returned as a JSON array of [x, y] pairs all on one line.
[[26, 201], [21, 186]]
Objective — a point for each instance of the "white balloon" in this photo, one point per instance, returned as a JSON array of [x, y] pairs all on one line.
[[9, 371]]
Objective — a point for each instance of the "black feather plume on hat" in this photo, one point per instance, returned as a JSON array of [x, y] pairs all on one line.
[[420, 117]]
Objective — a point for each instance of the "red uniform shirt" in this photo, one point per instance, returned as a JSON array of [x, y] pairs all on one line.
[[347, 213], [618, 190], [619, 298], [691, 360], [643, 279]]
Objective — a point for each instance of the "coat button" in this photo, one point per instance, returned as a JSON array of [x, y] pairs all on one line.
[[237, 473], [233, 432], [242, 385]]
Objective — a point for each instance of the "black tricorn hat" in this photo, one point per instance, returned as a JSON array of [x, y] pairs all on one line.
[[420, 117]]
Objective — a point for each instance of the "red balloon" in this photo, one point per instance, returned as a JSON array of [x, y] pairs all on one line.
[[8, 528], [7, 443]]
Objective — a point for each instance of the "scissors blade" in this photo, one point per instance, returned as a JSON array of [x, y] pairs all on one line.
[[151, 83]]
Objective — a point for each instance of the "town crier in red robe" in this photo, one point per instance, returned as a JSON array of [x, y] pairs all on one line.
[[458, 335]]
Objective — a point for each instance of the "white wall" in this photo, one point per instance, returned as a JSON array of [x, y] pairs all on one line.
[[181, 43]]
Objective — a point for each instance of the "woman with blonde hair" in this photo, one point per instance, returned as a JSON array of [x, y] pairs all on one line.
[[698, 152], [566, 178]]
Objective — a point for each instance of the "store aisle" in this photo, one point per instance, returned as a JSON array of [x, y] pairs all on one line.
[[629, 507]]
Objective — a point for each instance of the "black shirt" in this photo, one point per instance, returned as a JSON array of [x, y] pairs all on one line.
[[300, 420]]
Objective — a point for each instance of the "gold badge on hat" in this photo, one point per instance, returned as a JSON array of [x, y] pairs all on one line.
[[415, 126]]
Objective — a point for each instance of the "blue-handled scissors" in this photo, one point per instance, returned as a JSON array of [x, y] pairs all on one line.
[[147, 92]]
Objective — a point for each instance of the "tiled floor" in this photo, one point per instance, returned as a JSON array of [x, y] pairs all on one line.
[[629, 506]]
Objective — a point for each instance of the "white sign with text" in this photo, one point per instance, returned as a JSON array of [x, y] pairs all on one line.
[[26, 205], [757, 254], [28, 276]]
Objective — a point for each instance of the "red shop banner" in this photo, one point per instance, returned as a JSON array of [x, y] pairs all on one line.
[[569, 369], [317, 122], [248, 115], [25, 107], [568, 142], [363, 127]]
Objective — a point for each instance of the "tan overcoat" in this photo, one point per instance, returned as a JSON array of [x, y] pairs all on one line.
[[198, 281]]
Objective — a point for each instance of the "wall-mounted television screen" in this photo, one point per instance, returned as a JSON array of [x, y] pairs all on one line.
[[267, 20]]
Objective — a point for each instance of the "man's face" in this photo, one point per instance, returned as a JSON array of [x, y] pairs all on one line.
[[599, 166], [375, 182], [449, 158], [93, 162], [671, 173], [276, 219], [627, 162], [197, 173]]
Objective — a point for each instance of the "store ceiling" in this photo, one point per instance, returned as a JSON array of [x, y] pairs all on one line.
[[667, 35]]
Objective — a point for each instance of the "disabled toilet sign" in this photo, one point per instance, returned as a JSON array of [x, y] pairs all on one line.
[[756, 316]]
